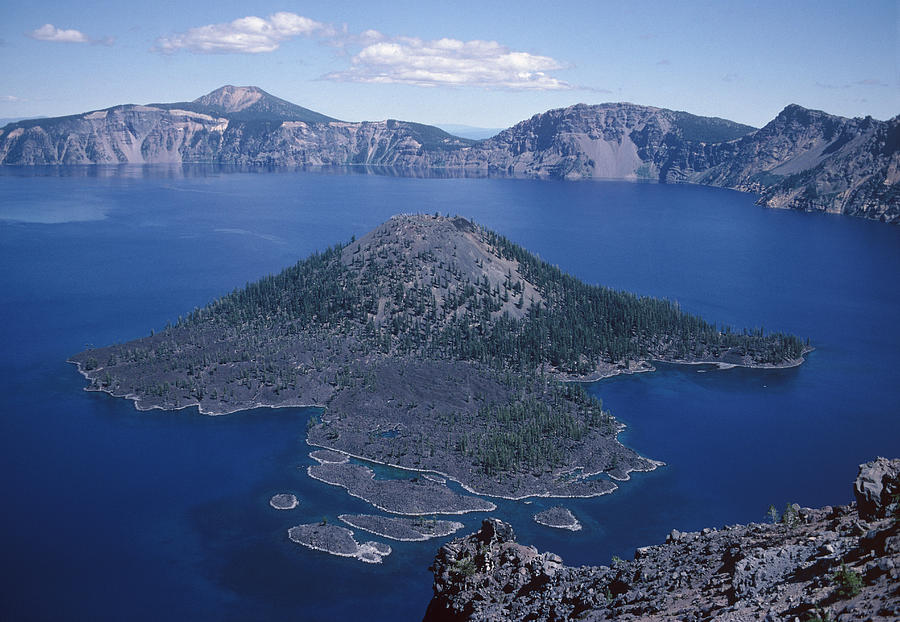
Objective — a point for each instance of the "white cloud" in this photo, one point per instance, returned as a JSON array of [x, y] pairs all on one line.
[[379, 58], [49, 32], [341, 38], [10, 98], [247, 35], [450, 62]]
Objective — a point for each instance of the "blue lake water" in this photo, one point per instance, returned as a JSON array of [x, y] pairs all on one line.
[[110, 513]]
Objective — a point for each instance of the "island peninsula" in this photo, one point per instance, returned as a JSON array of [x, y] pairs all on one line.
[[432, 344]]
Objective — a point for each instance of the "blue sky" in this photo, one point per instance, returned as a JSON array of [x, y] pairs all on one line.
[[479, 63]]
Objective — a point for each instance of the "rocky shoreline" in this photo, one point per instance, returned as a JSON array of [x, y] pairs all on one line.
[[413, 497], [338, 541], [328, 456], [611, 370], [484, 486], [833, 563], [402, 529], [284, 501]]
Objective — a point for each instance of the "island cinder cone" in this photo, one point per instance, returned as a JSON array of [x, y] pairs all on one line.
[[432, 344]]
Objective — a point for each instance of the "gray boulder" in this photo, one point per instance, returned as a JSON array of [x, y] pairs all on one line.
[[877, 488]]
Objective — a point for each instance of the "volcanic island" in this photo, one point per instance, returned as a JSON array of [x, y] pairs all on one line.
[[435, 345]]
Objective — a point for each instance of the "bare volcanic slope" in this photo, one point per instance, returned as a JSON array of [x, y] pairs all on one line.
[[433, 344], [808, 159], [601, 141]]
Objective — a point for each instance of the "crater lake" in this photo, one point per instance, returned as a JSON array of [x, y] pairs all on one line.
[[112, 513]]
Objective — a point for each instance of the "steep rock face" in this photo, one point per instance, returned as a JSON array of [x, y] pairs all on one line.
[[803, 159], [860, 179], [826, 562], [235, 125], [615, 141], [297, 143], [119, 135], [797, 139], [807, 159]]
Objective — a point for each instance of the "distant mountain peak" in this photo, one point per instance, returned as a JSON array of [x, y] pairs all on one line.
[[801, 114], [251, 102], [232, 98]]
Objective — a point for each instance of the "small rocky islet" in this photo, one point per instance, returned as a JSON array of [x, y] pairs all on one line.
[[284, 501], [411, 496], [559, 518], [337, 540]]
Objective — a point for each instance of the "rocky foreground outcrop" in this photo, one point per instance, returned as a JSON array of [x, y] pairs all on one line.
[[840, 563], [803, 159]]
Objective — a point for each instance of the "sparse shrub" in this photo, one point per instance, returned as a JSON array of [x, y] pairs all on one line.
[[847, 582], [312, 422], [790, 517], [818, 615], [464, 566], [772, 514]]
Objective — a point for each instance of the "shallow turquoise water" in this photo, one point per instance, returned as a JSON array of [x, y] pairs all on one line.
[[113, 513]]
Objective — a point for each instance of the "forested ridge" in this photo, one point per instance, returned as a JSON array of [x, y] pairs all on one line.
[[451, 314]]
